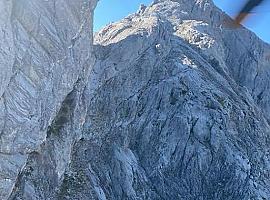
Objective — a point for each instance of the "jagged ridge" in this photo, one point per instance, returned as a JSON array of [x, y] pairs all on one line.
[[175, 107]]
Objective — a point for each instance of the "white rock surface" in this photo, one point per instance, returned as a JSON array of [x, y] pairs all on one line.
[[45, 47], [176, 106]]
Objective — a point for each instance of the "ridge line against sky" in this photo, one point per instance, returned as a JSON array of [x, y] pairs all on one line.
[[114, 10]]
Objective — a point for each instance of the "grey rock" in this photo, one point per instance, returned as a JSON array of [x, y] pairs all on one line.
[[174, 106], [46, 47]]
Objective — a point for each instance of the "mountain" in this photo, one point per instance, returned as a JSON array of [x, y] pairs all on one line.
[[169, 103], [46, 50]]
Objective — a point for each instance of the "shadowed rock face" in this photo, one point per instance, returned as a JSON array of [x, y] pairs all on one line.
[[46, 47], [175, 107]]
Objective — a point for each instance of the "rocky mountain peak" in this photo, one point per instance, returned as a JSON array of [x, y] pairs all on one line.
[[189, 73], [168, 103]]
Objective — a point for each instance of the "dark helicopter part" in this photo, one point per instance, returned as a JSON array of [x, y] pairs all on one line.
[[246, 10]]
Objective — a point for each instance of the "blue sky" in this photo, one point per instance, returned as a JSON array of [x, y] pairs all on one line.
[[113, 10]]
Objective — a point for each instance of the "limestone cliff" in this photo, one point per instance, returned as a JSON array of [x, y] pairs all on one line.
[[46, 49], [175, 106]]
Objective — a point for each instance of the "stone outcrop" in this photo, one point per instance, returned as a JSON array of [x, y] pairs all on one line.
[[174, 105], [46, 48]]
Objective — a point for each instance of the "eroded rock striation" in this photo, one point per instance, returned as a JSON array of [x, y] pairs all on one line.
[[175, 105], [46, 49]]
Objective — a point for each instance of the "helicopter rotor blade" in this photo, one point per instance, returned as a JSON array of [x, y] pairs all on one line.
[[246, 10]]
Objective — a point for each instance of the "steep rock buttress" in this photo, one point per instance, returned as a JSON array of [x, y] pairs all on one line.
[[178, 109], [46, 47], [175, 107]]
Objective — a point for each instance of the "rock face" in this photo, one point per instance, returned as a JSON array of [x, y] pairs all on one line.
[[46, 49], [176, 105]]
